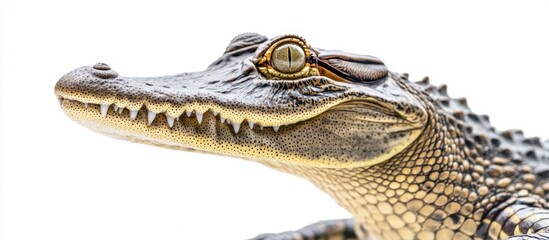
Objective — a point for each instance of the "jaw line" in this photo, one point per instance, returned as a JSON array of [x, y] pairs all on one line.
[[109, 110], [170, 120]]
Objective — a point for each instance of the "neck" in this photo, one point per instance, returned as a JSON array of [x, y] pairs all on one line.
[[419, 192]]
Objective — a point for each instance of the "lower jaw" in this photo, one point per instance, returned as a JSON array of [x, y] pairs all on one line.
[[207, 134]]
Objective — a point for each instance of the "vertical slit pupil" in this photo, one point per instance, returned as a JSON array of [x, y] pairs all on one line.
[[289, 58]]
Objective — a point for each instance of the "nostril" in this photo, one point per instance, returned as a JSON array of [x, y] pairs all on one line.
[[101, 66], [102, 70]]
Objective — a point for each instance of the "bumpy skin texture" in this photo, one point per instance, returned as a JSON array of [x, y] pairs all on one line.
[[403, 158]]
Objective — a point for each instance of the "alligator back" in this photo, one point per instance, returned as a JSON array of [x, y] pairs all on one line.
[[506, 154]]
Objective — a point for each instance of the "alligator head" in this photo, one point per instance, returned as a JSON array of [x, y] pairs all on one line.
[[277, 100]]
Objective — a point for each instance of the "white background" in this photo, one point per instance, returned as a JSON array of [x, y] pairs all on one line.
[[62, 181]]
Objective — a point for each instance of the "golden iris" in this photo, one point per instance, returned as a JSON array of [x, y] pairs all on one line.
[[288, 58]]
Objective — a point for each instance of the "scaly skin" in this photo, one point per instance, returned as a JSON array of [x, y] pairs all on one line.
[[403, 158]]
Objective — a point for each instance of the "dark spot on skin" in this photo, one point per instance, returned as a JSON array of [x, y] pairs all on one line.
[[455, 218], [496, 142], [437, 216], [531, 154]]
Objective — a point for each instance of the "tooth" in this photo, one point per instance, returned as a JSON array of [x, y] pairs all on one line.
[[170, 120], [251, 124], [214, 113], [86, 105], [261, 127], [199, 117], [104, 109], [189, 113], [133, 114], [60, 101], [150, 117], [236, 127], [221, 119], [228, 121], [120, 110], [275, 128], [115, 108]]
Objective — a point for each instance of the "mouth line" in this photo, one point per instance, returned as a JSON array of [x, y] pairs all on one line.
[[132, 113], [170, 122]]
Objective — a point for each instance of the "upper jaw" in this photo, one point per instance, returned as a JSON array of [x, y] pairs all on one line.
[[235, 94], [102, 87]]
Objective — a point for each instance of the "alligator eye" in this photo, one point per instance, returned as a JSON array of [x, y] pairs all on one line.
[[288, 58]]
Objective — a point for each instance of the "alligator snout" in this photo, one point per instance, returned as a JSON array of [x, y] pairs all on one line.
[[102, 70], [92, 84]]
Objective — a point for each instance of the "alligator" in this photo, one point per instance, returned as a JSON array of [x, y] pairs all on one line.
[[405, 159]]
